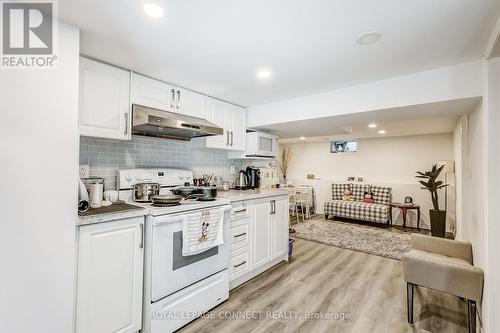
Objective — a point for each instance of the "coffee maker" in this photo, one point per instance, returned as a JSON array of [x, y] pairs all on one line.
[[253, 175]]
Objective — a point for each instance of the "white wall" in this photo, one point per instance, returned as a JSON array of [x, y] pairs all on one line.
[[477, 141], [390, 161], [443, 84], [470, 172], [492, 182], [38, 173]]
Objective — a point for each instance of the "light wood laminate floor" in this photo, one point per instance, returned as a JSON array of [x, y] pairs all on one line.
[[325, 279]]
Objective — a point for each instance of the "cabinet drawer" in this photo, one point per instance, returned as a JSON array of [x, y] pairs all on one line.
[[240, 236], [241, 210], [240, 263]]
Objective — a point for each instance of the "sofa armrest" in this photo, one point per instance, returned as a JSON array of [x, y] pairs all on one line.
[[445, 247]]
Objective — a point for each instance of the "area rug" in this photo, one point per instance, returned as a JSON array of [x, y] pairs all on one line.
[[370, 240]]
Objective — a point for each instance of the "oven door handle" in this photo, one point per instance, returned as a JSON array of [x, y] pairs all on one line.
[[168, 220]]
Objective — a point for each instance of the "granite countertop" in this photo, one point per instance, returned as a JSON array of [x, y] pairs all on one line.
[[114, 212], [127, 210], [238, 195]]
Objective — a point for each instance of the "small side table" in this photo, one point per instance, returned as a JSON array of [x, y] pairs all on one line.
[[404, 209]]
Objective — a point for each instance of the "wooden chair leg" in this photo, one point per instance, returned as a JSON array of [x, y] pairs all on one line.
[[409, 300], [471, 311]]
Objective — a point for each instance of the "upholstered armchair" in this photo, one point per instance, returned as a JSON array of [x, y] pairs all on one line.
[[444, 265]]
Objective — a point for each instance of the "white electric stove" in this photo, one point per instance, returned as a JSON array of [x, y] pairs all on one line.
[[177, 288], [168, 179]]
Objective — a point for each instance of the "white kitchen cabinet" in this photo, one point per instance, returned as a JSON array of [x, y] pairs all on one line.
[[238, 127], [260, 237], [191, 103], [261, 232], [110, 276], [233, 119], [104, 109], [152, 93], [279, 225], [160, 95], [217, 114]]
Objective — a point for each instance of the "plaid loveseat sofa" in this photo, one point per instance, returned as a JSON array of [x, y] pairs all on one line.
[[380, 211]]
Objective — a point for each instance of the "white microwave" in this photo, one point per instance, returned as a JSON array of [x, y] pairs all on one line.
[[262, 144]]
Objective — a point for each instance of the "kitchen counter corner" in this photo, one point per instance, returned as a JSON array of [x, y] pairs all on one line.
[[128, 211], [239, 195]]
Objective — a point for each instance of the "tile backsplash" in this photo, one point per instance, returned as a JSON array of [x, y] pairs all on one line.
[[106, 156]]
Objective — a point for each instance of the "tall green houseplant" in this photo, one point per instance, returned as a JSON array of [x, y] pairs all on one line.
[[429, 181]]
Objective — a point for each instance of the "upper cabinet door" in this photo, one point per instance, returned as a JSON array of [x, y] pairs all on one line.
[[152, 93], [237, 127], [191, 103], [104, 100], [217, 113]]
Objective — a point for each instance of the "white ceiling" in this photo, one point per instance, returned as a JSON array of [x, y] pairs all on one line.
[[217, 46], [429, 118]]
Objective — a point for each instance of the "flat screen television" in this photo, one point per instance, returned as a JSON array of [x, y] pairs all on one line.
[[350, 146]]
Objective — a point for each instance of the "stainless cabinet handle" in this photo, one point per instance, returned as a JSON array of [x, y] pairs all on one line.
[[240, 210], [273, 207], [231, 138], [172, 98], [240, 264], [178, 99], [227, 138], [126, 124], [240, 235], [141, 244]]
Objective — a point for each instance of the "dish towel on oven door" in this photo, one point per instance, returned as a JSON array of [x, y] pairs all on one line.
[[202, 231]]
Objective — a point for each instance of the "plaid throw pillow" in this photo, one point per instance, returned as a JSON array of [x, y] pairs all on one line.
[[338, 190], [382, 195], [358, 190]]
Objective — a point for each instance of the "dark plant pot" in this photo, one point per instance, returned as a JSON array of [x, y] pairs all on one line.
[[438, 222]]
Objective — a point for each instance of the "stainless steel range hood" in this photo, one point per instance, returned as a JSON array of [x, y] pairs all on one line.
[[157, 123]]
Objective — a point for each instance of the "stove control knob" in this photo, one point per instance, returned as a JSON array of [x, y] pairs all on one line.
[[138, 178], [128, 178]]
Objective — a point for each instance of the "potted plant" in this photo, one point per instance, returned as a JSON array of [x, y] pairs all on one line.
[[285, 159], [431, 184]]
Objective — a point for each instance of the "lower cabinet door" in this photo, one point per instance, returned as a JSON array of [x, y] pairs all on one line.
[[261, 233], [110, 271], [280, 227]]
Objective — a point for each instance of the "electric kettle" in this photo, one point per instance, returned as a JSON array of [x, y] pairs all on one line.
[[241, 181]]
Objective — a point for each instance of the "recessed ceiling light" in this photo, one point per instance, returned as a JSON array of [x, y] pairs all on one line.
[[372, 125], [153, 10], [368, 38], [382, 132], [263, 74], [302, 138]]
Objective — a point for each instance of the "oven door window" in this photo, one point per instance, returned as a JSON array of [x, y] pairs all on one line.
[[179, 261]]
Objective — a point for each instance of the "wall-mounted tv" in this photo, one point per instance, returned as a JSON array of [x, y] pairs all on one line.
[[350, 146]]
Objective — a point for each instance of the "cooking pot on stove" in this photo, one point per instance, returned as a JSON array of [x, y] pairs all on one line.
[[207, 193], [142, 192]]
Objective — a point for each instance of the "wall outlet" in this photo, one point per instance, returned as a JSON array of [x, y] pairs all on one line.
[[84, 170], [233, 169]]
